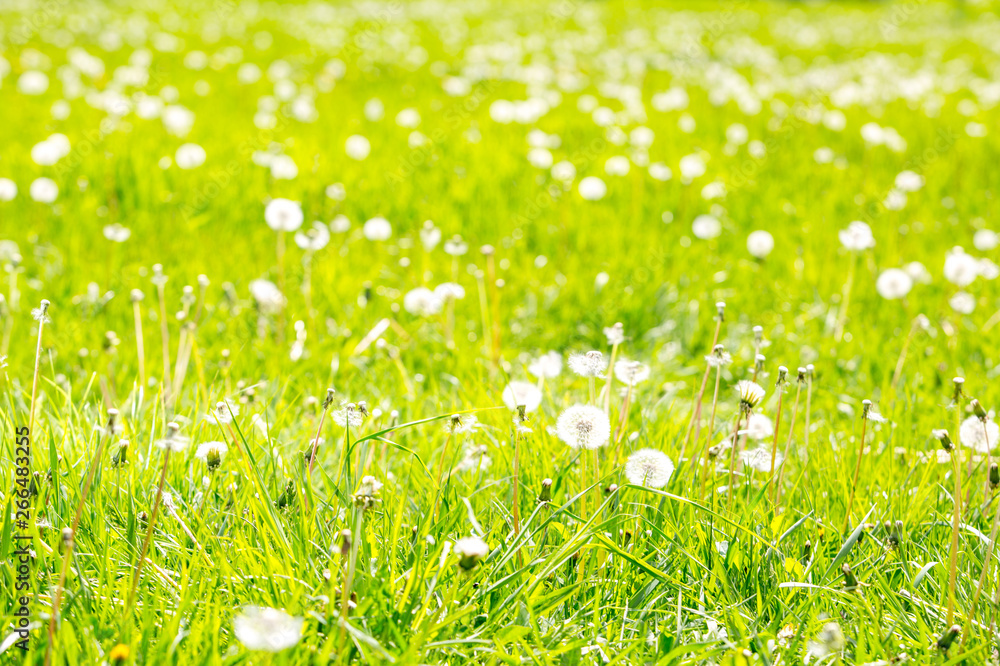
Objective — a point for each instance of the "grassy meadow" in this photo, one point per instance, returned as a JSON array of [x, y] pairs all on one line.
[[560, 332]]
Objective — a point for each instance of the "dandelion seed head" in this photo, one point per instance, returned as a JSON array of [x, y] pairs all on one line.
[[520, 393], [591, 364], [267, 629], [759, 427], [978, 435], [583, 427], [547, 366], [857, 237], [649, 467], [759, 459]]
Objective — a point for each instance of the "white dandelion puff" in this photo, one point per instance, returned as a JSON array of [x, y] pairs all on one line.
[[857, 237], [547, 366], [591, 364], [583, 427], [267, 629], [649, 467], [631, 373], [520, 393], [283, 214], [979, 436], [759, 427]]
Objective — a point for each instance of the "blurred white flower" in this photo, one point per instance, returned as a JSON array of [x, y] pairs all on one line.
[[314, 238], [116, 233], [283, 214], [592, 188], [978, 436], [857, 237], [649, 467], [759, 427], [190, 156], [631, 373], [960, 269], [43, 190], [985, 240], [267, 629], [8, 189], [268, 297], [377, 229], [706, 227], [547, 366], [522, 393], [760, 243], [357, 147], [591, 364], [962, 302], [422, 302], [893, 283]]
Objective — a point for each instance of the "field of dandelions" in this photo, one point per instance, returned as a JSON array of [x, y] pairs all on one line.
[[561, 332]]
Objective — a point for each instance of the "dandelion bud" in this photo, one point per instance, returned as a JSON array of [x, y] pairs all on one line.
[[610, 490], [470, 550], [759, 362], [329, 398], [958, 382], [948, 637], [545, 495], [213, 459], [807, 549], [487, 250], [850, 580], [758, 335], [978, 410], [345, 543], [782, 375], [720, 310], [994, 476], [112, 418], [203, 281], [520, 413], [67, 537], [801, 376], [136, 296], [942, 436], [362, 407], [811, 371]]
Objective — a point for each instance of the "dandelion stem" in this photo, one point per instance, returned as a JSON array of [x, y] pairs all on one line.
[[953, 555], [732, 461], [38, 364], [149, 536], [68, 556], [711, 429], [838, 333], [788, 447], [140, 349], [165, 336], [774, 444], [857, 473], [611, 377], [281, 285], [444, 451], [898, 372], [694, 424]]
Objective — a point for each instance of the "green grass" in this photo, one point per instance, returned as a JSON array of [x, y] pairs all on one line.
[[640, 573]]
